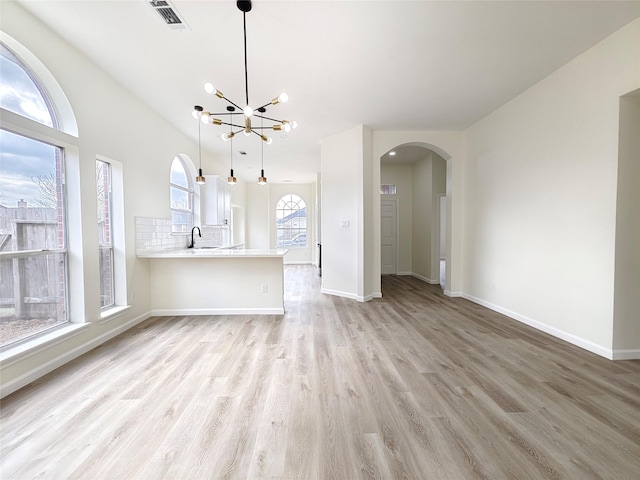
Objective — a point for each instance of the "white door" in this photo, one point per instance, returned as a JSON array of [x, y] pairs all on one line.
[[388, 233]]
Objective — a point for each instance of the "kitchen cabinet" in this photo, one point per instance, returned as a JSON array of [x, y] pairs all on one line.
[[215, 201]]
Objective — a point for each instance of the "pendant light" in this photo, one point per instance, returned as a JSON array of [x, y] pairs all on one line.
[[231, 180], [200, 178], [262, 180]]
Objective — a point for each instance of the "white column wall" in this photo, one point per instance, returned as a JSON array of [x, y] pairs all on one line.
[[342, 210]]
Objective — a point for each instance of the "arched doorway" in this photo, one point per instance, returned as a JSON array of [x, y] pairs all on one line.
[[413, 180]]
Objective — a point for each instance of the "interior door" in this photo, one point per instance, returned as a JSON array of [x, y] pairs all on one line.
[[388, 233]]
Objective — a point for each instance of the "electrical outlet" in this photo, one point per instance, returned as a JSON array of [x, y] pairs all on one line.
[[265, 288]]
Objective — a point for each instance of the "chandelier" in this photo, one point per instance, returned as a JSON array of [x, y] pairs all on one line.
[[234, 111]]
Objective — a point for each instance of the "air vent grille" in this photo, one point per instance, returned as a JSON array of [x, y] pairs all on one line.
[[168, 13]]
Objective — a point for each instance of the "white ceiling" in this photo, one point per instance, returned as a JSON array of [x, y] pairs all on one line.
[[394, 65]]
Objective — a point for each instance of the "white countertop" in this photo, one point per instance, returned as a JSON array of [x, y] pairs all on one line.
[[212, 253]]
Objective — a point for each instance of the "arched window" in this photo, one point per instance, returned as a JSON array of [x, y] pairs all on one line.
[[291, 222], [33, 215], [21, 93], [181, 188]]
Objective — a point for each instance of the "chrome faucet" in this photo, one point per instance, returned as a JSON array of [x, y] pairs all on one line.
[[193, 243]]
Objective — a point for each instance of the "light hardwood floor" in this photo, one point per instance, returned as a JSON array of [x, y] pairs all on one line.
[[412, 386]]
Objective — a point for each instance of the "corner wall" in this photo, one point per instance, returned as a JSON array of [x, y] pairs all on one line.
[[626, 307], [540, 197]]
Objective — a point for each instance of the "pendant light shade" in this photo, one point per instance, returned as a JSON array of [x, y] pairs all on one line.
[[262, 180]]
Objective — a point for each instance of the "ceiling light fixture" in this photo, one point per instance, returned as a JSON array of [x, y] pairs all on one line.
[[247, 112]]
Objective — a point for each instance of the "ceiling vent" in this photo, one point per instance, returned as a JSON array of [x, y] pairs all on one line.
[[169, 14]]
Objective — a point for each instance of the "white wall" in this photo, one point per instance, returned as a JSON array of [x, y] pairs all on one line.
[[258, 216], [342, 247], [626, 321], [422, 217], [540, 196], [126, 131]]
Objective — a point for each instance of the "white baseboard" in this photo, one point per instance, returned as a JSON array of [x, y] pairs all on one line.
[[449, 293], [373, 295], [47, 367], [632, 354], [217, 311], [338, 293], [556, 332]]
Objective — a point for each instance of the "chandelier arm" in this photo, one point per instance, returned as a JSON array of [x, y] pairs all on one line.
[[269, 118], [226, 113], [270, 104], [234, 104], [232, 125]]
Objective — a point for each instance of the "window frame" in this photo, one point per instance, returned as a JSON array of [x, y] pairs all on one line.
[[105, 241], [63, 136], [191, 197], [290, 237]]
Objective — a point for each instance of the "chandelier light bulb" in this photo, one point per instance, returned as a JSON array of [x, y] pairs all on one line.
[[283, 97], [209, 88], [248, 111], [287, 126], [294, 124], [204, 118]]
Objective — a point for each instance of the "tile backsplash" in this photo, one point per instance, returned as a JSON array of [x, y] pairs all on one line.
[[155, 234]]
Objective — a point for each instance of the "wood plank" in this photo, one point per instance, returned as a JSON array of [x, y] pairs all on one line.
[[410, 386]]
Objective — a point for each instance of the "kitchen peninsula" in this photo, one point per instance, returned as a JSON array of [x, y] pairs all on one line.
[[216, 281]]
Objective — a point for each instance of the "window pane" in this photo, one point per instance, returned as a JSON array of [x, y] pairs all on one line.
[[105, 233], [106, 277], [182, 221], [103, 185], [31, 192], [33, 295], [180, 199], [178, 174], [19, 92]]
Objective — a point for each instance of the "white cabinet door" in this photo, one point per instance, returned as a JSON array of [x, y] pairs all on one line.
[[215, 201]]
